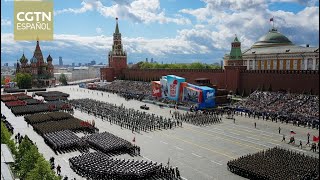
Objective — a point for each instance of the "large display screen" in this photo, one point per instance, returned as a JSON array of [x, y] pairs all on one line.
[[174, 86], [164, 88], [156, 88], [191, 94]]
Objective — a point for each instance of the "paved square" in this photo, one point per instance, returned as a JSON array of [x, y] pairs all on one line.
[[201, 153]]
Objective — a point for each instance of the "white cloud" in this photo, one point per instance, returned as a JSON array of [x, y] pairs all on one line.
[[146, 11], [219, 20], [99, 30], [85, 7], [5, 22], [96, 47], [302, 2]]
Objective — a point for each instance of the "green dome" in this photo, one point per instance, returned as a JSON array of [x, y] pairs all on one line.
[[23, 59], [271, 39]]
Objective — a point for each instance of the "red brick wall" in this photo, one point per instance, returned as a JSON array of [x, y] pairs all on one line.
[[295, 81], [233, 79], [107, 74], [216, 76], [118, 63]]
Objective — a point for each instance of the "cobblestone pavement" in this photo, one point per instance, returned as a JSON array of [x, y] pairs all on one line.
[[201, 153]]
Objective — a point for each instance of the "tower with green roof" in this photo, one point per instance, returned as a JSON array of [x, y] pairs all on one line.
[[234, 59], [235, 53]]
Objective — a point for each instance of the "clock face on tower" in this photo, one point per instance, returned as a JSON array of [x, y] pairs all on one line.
[[119, 46]]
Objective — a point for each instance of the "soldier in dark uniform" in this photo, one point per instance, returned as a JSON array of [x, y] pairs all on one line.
[[279, 130]]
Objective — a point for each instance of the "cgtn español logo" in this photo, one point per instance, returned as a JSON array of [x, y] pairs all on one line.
[[33, 19]]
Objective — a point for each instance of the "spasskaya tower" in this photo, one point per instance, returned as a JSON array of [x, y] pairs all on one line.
[[117, 59]]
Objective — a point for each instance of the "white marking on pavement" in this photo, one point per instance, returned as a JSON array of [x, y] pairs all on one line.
[[253, 138], [216, 163], [163, 142], [266, 135], [239, 138], [274, 143], [196, 155], [191, 167], [178, 148], [234, 133], [146, 158], [298, 149], [148, 136], [247, 130], [218, 129], [256, 130], [184, 178]]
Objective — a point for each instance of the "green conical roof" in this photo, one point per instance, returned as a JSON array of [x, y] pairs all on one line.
[[236, 53], [117, 28], [236, 39]]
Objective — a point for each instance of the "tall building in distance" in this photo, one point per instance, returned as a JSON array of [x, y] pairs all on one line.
[[93, 62], [60, 61], [117, 58], [73, 64]]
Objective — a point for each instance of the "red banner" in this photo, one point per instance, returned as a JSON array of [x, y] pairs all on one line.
[[156, 89]]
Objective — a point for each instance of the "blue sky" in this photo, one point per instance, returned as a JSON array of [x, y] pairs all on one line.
[[165, 30]]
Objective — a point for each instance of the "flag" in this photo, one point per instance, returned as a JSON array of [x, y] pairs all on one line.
[[134, 139], [315, 139], [292, 132], [7, 79], [271, 19]]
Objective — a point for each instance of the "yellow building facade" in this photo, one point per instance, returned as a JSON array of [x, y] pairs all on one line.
[[274, 51]]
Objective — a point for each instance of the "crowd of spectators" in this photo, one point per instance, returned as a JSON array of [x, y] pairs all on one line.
[[129, 89], [301, 109]]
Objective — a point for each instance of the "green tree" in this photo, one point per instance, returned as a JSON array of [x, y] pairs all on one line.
[[24, 80], [23, 148], [6, 139], [41, 170], [28, 161], [196, 65], [2, 80], [63, 79]]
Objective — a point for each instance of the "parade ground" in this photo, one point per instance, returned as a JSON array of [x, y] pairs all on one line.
[[200, 153]]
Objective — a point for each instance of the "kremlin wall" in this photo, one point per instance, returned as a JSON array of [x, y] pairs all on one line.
[[237, 76], [244, 80]]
